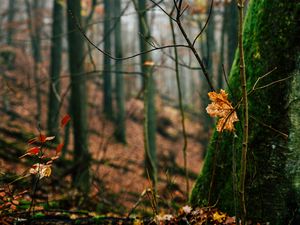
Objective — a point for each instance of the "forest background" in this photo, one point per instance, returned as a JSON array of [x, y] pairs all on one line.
[[103, 102]]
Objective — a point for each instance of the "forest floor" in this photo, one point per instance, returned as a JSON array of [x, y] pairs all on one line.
[[119, 184]]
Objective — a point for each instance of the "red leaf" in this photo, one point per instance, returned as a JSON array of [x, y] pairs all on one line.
[[43, 138], [33, 151], [65, 120], [59, 148]]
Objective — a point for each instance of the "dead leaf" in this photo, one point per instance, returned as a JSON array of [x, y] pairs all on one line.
[[41, 169], [223, 109]]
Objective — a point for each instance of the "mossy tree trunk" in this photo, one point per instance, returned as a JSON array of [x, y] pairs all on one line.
[[149, 94], [55, 67], [271, 39], [81, 178], [120, 131]]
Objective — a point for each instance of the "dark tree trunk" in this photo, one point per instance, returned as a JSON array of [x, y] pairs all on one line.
[[55, 67], [272, 181], [10, 19], [81, 178], [35, 27], [107, 84], [232, 31], [120, 131]]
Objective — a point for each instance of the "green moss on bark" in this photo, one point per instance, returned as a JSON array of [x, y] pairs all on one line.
[[270, 40]]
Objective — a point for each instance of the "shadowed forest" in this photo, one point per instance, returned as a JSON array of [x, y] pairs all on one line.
[[150, 112]]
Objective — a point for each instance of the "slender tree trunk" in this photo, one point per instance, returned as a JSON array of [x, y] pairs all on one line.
[[10, 19], [272, 178], [232, 32], [149, 95], [120, 131], [210, 41], [81, 178], [222, 48], [35, 28], [204, 88], [107, 84], [55, 67]]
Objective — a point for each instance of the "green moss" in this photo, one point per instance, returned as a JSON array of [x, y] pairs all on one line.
[[270, 40]]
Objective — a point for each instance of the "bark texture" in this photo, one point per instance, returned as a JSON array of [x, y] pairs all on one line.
[[271, 39], [80, 175]]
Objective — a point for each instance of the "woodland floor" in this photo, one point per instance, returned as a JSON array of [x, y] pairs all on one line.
[[117, 169]]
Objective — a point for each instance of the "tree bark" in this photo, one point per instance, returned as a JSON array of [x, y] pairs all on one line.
[[149, 95], [55, 68], [107, 84], [120, 131], [10, 19], [81, 178], [271, 189]]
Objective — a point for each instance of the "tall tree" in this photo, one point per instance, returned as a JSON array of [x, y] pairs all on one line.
[[35, 28], [55, 68], [149, 94], [107, 84], [120, 131], [81, 178], [10, 19], [273, 175], [231, 28]]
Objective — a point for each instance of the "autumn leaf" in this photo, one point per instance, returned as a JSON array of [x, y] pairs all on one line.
[[219, 217], [31, 151], [59, 148], [223, 109], [41, 169], [65, 120]]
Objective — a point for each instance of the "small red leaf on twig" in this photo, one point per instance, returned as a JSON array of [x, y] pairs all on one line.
[[59, 148], [65, 120], [31, 151]]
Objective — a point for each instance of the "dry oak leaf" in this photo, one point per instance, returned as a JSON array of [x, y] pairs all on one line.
[[222, 108]]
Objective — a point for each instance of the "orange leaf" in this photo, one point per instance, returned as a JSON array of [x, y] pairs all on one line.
[[65, 120], [222, 108], [59, 148]]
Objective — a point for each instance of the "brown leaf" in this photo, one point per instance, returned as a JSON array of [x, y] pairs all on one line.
[[222, 108]]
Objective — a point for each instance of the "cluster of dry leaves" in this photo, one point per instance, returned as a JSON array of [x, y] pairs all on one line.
[[222, 109]]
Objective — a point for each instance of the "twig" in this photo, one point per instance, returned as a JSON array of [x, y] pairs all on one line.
[[206, 22], [184, 148], [190, 44], [245, 113]]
